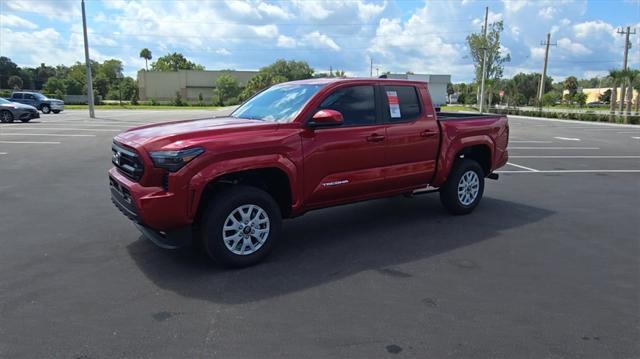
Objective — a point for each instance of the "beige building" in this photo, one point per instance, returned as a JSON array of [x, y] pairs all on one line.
[[162, 86], [593, 94]]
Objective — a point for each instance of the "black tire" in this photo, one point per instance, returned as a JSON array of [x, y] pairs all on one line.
[[449, 192], [56, 111], [6, 116], [223, 205], [45, 109]]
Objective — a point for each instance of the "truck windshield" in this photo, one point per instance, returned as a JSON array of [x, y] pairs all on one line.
[[280, 103]]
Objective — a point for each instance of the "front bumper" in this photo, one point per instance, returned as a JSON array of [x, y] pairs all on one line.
[[57, 106], [25, 114], [150, 211]]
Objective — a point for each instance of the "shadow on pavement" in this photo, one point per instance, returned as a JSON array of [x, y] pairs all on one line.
[[327, 245]]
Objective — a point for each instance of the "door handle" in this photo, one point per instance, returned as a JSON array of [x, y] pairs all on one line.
[[428, 133], [375, 138]]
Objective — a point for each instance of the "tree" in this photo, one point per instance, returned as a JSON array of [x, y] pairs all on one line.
[[550, 98], [605, 96], [580, 98], [15, 82], [450, 91], [616, 77], [571, 84], [226, 88], [494, 58], [54, 85], [174, 62], [7, 69], [279, 71], [146, 55]]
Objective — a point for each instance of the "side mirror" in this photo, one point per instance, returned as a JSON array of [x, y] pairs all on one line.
[[326, 118]]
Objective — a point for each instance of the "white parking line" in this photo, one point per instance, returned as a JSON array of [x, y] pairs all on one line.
[[635, 137], [567, 138], [45, 134], [523, 167], [530, 141], [3, 153], [629, 132], [554, 148], [66, 129], [30, 142], [574, 157], [573, 171]]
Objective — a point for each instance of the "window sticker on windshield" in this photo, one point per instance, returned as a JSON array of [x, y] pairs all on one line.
[[394, 104]]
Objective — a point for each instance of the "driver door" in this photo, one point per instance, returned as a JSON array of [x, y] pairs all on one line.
[[346, 162]]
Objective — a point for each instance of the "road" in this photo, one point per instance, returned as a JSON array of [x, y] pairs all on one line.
[[546, 267]]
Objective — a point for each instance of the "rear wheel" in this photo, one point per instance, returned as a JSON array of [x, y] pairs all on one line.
[[55, 111], [464, 188], [6, 116], [45, 109], [241, 226]]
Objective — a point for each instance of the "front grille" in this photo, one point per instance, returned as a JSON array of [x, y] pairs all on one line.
[[127, 161]]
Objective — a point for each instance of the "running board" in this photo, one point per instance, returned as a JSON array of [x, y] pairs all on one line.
[[420, 191]]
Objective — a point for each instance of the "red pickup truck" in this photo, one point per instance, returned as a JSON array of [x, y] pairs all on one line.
[[226, 183]]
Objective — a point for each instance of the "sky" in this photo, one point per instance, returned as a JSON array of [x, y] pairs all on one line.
[[397, 35]]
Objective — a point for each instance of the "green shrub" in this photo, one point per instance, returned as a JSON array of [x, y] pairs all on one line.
[[178, 101], [153, 101]]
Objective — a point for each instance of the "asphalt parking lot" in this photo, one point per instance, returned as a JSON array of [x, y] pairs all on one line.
[[548, 266]]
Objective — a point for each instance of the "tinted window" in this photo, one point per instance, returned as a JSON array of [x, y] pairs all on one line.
[[403, 103], [29, 96], [356, 104], [16, 95]]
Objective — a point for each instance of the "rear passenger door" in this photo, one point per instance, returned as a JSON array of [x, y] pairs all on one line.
[[412, 136]]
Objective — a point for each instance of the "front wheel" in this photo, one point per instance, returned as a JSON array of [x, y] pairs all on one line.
[[241, 226], [6, 116], [45, 109], [464, 188], [56, 111]]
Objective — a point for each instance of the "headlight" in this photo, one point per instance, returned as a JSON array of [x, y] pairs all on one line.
[[172, 161]]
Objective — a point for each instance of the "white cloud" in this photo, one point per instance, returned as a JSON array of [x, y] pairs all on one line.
[[63, 10], [514, 5], [269, 31], [286, 41], [16, 22], [318, 40], [367, 11], [574, 48], [223, 52], [314, 9], [547, 12], [274, 11], [591, 28]]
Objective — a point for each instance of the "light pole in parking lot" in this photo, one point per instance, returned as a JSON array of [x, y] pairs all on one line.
[[92, 113]]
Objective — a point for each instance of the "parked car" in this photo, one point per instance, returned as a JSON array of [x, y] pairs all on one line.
[[298, 146], [39, 101], [596, 104], [10, 111]]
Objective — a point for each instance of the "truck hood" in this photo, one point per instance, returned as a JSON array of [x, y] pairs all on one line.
[[182, 134]]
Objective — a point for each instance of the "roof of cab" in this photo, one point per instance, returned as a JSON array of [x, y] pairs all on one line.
[[330, 80]]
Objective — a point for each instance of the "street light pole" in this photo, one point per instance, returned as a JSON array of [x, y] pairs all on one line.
[[92, 113]]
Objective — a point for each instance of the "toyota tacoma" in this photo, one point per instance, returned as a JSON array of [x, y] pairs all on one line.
[[226, 183]]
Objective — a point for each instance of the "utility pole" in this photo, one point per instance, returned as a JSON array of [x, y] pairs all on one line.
[[624, 62], [484, 58], [544, 69], [92, 113], [371, 67]]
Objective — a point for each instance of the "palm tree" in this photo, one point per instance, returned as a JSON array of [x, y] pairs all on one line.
[[146, 55], [615, 76], [632, 80], [625, 81]]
